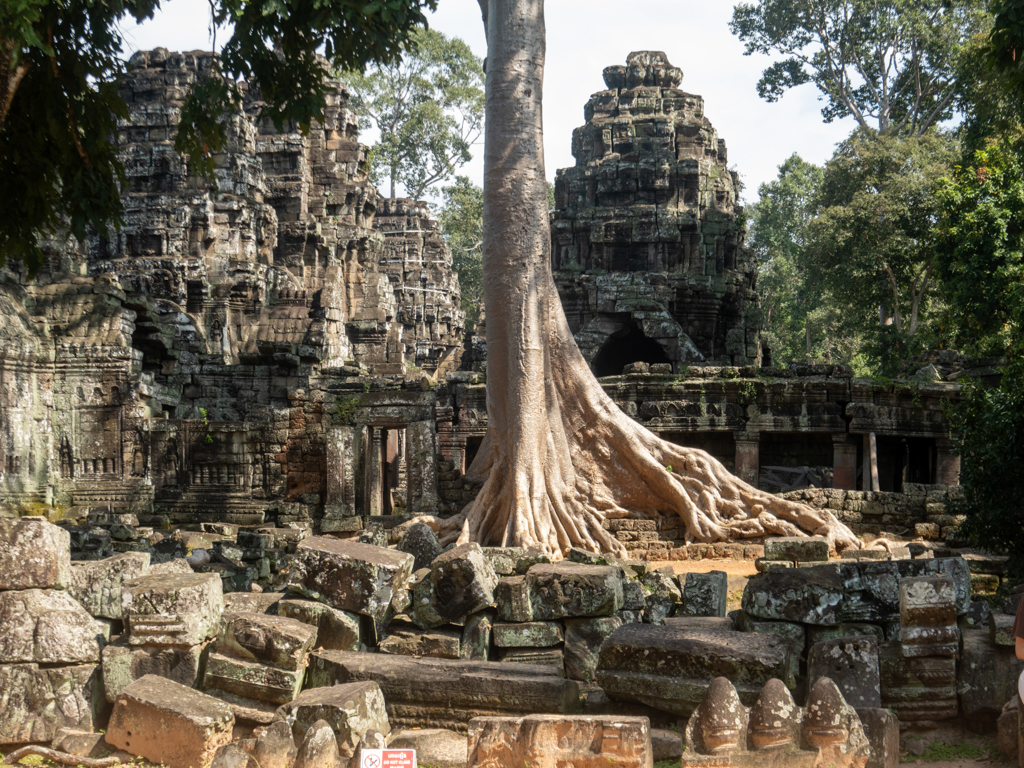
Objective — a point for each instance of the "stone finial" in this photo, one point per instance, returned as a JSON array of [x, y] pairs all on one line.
[[644, 68], [722, 718], [824, 726], [775, 717]]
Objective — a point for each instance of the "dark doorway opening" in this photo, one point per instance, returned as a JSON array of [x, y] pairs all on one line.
[[627, 345], [473, 444]]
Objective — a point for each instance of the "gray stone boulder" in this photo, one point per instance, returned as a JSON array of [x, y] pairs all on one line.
[[569, 590], [670, 668], [704, 594], [278, 641], [852, 664], [583, 640], [348, 575], [48, 627], [662, 595], [35, 703], [172, 609], [802, 595], [34, 554], [477, 633], [421, 542], [97, 584], [458, 583], [124, 663], [986, 677], [275, 747], [336, 630], [319, 748]]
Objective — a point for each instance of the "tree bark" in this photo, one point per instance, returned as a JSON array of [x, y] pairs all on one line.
[[560, 457]]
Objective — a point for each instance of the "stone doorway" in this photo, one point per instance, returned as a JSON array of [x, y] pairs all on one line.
[[627, 345]]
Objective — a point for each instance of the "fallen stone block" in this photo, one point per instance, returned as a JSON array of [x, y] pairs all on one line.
[[845, 629], [348, 575], [424, 692], [583, 640], [35, 703], [722, 624], [531, 634], [774, 731], [278, 641], [249, 680], [409, 640], [882, 729], [662, 595], [666, 745], [47, 626], [434, 746], [459, 582], [987, 676], [917, 688], [97, 584], [275, 747], [336, 630], [1000, 628], [172, 609], [852, 664], [237, 754], [503, 559], [512, 598], [873, 592], [569, 590], [928, 624], [670, 668], [34, 554], [350, 710], [801, 595], [1007, 729], [169, 724], [704, 594], [124, 663], [421, 542], [799, 549], [553, 740], [252, 602]]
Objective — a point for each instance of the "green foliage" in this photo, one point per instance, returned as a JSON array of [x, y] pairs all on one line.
[[937, 751], [345, 410], [988, 430], [461, 221], [871, 245], [980, 254], [428, 107], [59, 65], [890, 62], [1007, 41]]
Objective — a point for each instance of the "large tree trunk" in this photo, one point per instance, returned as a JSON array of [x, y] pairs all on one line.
[[560, 457]]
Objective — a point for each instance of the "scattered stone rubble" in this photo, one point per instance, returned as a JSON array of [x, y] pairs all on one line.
[[575, 660]]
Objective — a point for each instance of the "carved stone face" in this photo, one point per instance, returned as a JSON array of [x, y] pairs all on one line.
[[721, 717], [773, 717], [824, 724]]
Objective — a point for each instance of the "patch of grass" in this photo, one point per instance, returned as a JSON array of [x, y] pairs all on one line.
[[937, 751], [667, 764]]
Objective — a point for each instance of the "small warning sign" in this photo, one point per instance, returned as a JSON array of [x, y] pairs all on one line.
[[387, 758]]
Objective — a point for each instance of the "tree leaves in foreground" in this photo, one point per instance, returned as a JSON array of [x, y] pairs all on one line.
[[890, 64], [980, 253], [988, 429], [462, 219], [60, 61], [429, 109], [871, 245]]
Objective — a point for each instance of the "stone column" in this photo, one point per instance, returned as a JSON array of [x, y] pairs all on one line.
[[421, 468], [748, 458], [947, 465], [340, 465], [870, 463], [844, 463]]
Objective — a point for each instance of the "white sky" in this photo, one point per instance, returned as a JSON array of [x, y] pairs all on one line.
[[584, 37]]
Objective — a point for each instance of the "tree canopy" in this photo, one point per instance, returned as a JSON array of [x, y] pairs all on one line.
[[461, 221], [59, 105], [428, 107], [890, 64]]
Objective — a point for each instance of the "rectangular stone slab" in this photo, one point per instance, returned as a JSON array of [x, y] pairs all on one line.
[[670, 668], [802, 595], [336, 630], [124, 663], [348, 575], [172, 609], [34, 554], [169, 724], [570, 590], [47, 626], [409, 640], [582, 741], [35, 703], [797, 548], [530, 634], [987, 676], [251, 680], [274, 640], [446, 693]]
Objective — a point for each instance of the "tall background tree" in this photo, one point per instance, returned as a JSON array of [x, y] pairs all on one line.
[[462, 219], [427, 106], [59, 65], [890, 64]]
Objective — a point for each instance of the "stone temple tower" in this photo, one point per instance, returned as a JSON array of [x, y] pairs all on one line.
[[647, 244]]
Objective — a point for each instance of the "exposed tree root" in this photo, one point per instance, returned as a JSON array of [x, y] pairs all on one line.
[[60, 757]]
